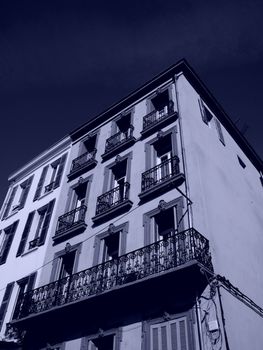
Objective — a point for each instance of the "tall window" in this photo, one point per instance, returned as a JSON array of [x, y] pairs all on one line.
[[36, 228], [6, 239], [118, 180], [50, 177], [24, 285], [17, 198], [67, 264]]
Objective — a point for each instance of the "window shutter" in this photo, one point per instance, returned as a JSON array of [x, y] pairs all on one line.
[[25, 191], [219, 131], [203, 113], [60, 170], [40, 183], [5, 302], [10, 201], [183, 338], [44, 230], [25, 233], [7, 243], [155, 339]]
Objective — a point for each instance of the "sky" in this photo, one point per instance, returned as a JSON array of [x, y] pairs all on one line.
[[63, 62]]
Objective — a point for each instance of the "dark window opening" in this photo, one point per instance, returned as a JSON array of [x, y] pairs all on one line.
[[161, 102], [80, 192], [124, 123], [67, 264], [104, 343], [165, 223], [119, 177], [241, 162], [89, 144], [111, 248]]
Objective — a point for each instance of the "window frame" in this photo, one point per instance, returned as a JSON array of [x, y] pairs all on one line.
[[150, 152], [116, 332], [177, 203], [190, 321], [99, 244], [108, 176], [7, 241], [71, 196], [57, 261], [160, 90]]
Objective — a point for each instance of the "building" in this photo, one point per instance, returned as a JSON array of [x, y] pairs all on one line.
[[155, 237]]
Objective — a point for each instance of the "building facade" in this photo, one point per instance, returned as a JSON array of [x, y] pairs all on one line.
[[155, 238]]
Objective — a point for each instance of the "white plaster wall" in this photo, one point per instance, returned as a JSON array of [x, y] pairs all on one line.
[[16, 268], [227, 209]]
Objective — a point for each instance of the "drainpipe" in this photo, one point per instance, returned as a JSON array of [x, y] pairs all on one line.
[[199, 324], [189, 207]]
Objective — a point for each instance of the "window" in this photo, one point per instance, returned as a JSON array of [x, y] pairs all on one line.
[[243, 165], [104, 340], [17, 198], [36, 228], [121, 135], [73, 221], [162, 222], [207, 117], [50, 177], [5, 302], [65, 262], [6, 239], [169, 335], [86, 158], [102, 343], [160, 103], [110, 244], [24, 285]]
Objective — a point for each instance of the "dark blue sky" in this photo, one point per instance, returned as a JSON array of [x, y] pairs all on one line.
[[62, 62]]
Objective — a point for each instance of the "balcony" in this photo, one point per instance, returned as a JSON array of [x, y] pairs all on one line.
[[161, 178], [70, 224], [118, 142], [113, 202], [81, 164], [156, 120], [169, 270]]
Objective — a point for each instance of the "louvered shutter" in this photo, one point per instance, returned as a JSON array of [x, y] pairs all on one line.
[[41, 183], [219, 131], [203, 113], [60, 170], [10, 201], [25, 191], [7, 243], [5, 302], [170, 335], [25, 234], [44, 230]]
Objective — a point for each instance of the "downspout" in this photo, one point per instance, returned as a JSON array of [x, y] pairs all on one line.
[[189, 203]]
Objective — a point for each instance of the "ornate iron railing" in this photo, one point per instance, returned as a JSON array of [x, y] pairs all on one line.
[[156, 116], [49, 187], [70, 219], [175, 249], [159, 173], [83, 160], [119, 138], [112, 198]]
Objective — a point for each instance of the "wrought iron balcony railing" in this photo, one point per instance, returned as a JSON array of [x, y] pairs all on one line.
[[83, 160], [119, 138], [175, 249], [112, 198], [160, 173], [70, 219], [157, 116]]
